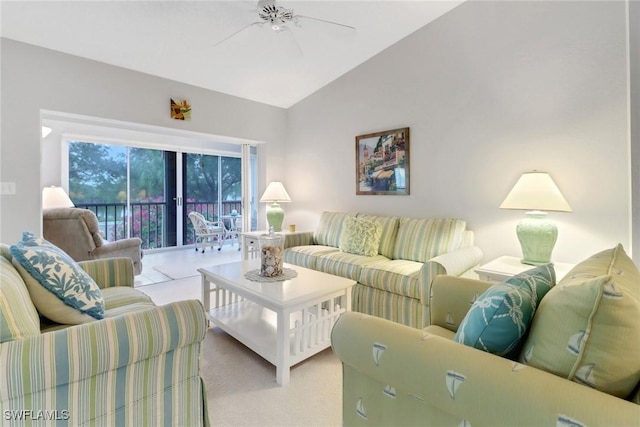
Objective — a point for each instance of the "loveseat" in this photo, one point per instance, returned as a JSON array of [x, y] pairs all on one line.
[[392, 259], [138, 365], [77, 232], [395, 375]]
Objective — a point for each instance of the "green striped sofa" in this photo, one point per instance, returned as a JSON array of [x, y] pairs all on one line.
[[393, 284], [139, 366]]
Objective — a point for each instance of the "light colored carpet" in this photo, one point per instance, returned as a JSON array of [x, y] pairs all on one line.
[[242, 389]]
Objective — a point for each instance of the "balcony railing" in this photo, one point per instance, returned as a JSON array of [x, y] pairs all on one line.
[[148, 219]]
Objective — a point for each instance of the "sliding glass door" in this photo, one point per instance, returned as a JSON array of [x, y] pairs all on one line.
[[148, 193], [212, 185]]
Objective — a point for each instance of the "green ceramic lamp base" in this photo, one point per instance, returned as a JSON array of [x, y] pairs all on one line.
[[275, 216], [537, 236]]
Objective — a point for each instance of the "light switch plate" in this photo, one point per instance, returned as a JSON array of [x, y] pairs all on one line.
[[7, 188]]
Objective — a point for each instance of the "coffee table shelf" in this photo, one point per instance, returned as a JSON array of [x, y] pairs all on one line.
[[256, 327], [284, 322]]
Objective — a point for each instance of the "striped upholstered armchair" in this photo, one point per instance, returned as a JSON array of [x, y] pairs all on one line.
[[139, 365]]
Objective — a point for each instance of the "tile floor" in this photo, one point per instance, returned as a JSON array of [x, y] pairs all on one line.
[[163, 289]]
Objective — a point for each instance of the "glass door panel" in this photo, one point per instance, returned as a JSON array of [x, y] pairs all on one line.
[[98, 181], [231, 189], [125, 187], [200, 189], [147, 198]]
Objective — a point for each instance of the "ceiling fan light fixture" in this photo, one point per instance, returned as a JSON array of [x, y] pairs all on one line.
[[277, 17]]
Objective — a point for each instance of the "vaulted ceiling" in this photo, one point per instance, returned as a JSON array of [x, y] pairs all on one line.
[[179, 40]]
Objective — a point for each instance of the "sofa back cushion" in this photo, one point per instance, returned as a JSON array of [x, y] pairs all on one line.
[[587, 330], [330, 228], [422, 239], [389, 232], [18, 316]]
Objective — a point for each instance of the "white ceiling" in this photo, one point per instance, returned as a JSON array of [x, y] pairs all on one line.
[[175, 39]]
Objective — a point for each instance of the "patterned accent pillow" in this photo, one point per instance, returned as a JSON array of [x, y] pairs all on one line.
[[60, 289], [360, 236], [500, 317], [587, 329], [389, 232]]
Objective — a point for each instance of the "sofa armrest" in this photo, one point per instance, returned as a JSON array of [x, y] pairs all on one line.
[[451, 299], [424, 379], [452, 263], [119, 362], [109, 272], [303, 238]]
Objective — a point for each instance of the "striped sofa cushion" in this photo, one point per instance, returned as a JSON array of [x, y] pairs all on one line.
[[389, 232], [399, 277], [118, 300], [422, 239], [120, 296], [305, 256], [298, 239], [109, 272], [344, 264], [330, 228], [18, 316]]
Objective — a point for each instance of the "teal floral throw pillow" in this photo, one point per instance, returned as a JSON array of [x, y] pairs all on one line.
[[59, 288], [500, 317], [360, 236]]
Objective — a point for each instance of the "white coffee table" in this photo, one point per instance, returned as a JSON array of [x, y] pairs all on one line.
[[285, 322]]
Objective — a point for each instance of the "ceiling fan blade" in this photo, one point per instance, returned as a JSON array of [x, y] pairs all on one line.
[[292, 37], [239, 31], [296, 17]]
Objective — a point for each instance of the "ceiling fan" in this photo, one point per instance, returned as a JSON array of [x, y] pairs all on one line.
[[279, 19]]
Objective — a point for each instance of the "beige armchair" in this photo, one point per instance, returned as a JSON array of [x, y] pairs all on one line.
[[76, 231]]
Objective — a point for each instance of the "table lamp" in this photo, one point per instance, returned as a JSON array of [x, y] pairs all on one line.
[[536, 192], [275, 193], [55, 197]]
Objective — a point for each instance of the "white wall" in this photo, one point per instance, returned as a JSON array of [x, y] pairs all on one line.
[[35, 79], [634, 80], [489, 90]]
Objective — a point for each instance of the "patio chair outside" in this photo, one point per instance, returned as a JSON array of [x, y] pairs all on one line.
[[205, 231]]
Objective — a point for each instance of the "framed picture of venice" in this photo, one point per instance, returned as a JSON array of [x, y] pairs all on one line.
[[382, 163]]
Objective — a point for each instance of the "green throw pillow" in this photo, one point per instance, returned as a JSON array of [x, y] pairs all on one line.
[[360, 236], [587, 328], [60, 289], [500, 317]]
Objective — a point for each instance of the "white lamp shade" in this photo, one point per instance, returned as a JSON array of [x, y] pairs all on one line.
[[275, 192], [536, 191], [55, 197]]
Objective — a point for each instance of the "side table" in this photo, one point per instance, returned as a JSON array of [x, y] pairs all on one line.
[[502, 268]]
